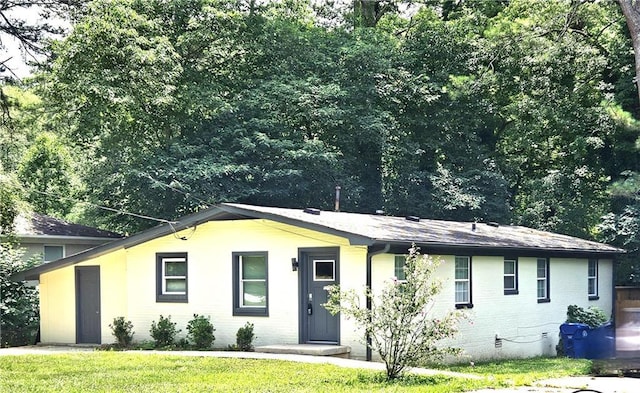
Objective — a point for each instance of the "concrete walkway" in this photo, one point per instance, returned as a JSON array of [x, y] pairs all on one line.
[[557, 385]]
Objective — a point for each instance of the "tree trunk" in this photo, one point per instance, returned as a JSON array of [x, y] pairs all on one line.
[[631, 11], [365, 12]]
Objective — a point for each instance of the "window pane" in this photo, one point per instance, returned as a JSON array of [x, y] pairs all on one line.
[[172, 269], [51, 253], [254, 267], [462, 292], [254, 294], [399, 267], [509, 267], [542, 289], [324, 270], [176, 285], [509, 282], [542, 268], [592, 268], [462, 268], [592, 286]]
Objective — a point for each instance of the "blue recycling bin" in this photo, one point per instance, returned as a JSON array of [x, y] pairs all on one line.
[[601, 342], [581, 341], [574, 339]]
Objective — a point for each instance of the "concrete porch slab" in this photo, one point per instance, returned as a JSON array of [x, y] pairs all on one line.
[[341, 351]]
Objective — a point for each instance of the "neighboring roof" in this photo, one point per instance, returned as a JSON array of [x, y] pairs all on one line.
[[369, 230], [38, 225]]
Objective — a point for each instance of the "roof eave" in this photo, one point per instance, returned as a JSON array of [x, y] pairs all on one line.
[[433, 247]]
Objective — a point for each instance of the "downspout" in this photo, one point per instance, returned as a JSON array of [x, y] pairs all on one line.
[[370, 254]]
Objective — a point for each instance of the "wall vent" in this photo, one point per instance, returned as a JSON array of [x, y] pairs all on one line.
[[312, 210]]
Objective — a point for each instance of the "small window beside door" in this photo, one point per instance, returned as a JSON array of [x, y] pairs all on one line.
[[171, 277], [250, 283]]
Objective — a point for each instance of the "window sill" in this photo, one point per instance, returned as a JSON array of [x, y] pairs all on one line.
[[251, 312], [172, 299], [591, 297], [544, 300], [510, 291], [464, 305]]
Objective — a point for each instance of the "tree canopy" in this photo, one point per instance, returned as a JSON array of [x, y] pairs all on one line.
[[511, 111]]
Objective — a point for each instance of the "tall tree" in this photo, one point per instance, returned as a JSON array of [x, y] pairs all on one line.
[[46, 173]]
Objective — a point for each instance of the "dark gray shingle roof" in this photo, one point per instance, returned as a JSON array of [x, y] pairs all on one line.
[[35, 224], [388, 229], [368, 230]]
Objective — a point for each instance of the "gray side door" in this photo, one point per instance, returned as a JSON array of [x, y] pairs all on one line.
[[319, 268], [88, 329]]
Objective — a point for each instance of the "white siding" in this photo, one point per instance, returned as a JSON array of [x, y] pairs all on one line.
[[527, 328]]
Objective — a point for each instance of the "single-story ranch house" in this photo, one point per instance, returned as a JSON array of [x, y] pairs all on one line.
[[269, 266]]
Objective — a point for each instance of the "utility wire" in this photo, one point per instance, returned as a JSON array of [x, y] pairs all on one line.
[[172, 188], [162, 220]]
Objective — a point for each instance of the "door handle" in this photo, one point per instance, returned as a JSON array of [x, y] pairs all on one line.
[[309, 309]]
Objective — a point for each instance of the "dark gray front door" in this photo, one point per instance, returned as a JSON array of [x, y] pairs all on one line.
[[88, 305], [319, 268]]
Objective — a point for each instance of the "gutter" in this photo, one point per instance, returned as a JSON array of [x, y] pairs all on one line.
[[370, 254]]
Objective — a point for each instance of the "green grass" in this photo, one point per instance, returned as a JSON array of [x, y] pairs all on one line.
[[131, 372]]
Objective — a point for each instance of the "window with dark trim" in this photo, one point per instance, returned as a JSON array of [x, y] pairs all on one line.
[[592, 279], [250, 283], [542, 273], [171, 277], [463, 282], [398, 268], [510, 276]]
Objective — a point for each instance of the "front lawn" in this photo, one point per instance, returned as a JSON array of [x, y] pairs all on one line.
[[133, 372]]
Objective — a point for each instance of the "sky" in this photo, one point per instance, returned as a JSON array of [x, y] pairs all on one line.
[[11, 52]]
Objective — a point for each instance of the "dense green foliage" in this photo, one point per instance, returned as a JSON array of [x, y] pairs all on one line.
[[122, 330], [518, 112], [200, 332], [245, 337], [136, 372], [592, 316], [19, 321], [164, 332]]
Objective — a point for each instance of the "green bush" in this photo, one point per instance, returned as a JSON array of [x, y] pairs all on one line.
[[245, 337], [200, 332], [122, 330], [164, 332], [592, 316], [19, 315]]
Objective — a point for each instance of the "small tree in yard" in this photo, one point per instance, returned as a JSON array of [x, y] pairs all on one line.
[[400, 325]]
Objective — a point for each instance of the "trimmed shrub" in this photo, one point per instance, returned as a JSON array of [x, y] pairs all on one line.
[[200, 332], [164, 332], [122, 330], [245, 337]]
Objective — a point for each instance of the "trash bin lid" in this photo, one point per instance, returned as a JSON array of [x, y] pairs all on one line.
[[572, 328]]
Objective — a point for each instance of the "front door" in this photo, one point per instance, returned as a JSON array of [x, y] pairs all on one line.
[[318, 268], [88, 305]]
